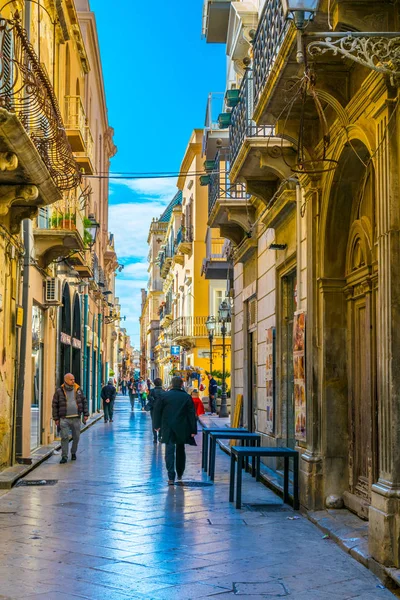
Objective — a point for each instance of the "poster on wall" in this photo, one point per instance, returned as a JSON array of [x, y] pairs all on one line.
[[270, 378], [299, 347]]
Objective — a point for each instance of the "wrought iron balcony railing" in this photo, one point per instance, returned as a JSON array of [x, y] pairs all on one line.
[[26, 91], [271, 32], [221, 187], [67, 214], [192, 327], [242, 125], [214, 247]]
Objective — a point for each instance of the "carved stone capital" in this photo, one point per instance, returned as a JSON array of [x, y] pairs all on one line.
[[16, 194]]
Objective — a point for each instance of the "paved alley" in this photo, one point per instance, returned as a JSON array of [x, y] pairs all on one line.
[[111, 529]]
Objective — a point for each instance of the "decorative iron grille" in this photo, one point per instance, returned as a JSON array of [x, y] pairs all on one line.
[[221, 187], [242, 124], [26, 91], [270, 34]]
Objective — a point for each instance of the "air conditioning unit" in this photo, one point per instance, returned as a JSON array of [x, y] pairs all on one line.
[[52, 291]]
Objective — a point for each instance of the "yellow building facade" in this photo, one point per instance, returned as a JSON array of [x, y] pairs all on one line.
[[314, 139], [58, 283]]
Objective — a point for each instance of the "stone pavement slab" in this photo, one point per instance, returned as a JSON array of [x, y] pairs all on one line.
[[111, 529]]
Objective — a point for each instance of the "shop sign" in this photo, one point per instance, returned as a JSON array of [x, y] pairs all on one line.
[[65, 339], [76, 343], [299, 348], [175, 350]]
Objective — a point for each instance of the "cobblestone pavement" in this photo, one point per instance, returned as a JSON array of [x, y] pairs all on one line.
[[110, 528]]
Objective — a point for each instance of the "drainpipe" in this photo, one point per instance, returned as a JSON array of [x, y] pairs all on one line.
[[99, 362], [299, 201], [85, 326]]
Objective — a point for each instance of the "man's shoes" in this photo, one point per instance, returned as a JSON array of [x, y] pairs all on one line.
[[111, 420], [179, 477], [63, 461], [154, 441], [73, 456], [171, 482], [105, 420]]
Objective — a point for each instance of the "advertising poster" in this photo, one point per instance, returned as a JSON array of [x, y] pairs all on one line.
[[270, 378], [299, 347]]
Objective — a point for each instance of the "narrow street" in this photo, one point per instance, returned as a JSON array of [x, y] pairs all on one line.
[[110, 528]]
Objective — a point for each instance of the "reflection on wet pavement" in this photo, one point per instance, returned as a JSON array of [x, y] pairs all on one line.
[[112, 529]]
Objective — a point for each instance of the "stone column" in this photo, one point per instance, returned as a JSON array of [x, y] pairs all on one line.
[[384, 527]]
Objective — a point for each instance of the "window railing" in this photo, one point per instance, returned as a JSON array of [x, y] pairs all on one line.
[[242, 124], [75, 117], [195, 327], [26, 91], [270, 34], [66, 214], [214, 247]]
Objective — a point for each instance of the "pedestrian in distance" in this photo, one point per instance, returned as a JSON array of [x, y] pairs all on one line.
[[175, 415], [131, 392], [69, 406], [198, 403], [155, 395], [123, 386], [212, 394], [108, 394], [142, 392]]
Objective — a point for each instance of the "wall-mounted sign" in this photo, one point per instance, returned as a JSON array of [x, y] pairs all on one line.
[[19, 317], [299, 354], [175, 350], [65, 339], [76, 343]]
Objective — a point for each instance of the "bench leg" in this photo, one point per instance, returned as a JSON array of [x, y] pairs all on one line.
[[245, 444], [239, 482], [232, 480], [205, 451], [253, 462], [210, 441], [202, 449], [213, 448], [296, 501], [286, 480]]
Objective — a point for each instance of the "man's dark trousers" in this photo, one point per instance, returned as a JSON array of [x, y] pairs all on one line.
[[108, 408], [175, 452]]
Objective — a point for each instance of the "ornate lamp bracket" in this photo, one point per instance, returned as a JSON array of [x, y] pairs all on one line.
[[377, 50]]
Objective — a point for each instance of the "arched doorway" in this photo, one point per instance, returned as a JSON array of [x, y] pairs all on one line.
[[65, 334], [350, 280], [76, 369]]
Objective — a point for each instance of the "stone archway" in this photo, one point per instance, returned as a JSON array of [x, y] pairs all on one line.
[[348, 288]]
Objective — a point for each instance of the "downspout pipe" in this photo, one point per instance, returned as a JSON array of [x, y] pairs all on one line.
[[99, 361]]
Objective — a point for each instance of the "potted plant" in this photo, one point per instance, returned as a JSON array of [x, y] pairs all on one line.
[[87, 236], [224, 120], [232, 98]]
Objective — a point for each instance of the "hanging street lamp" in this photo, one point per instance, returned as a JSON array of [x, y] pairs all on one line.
[[210, 324], [93, 229]]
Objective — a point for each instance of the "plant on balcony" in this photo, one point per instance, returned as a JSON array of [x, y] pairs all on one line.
[[87, 236], [63, 221], [224, 120], [232, 98]]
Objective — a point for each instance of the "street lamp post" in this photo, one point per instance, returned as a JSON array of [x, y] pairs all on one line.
[[210, 324], [224, 315]]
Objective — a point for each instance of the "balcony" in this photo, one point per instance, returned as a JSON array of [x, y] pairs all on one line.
[[62, 233], [216, 264], [164, 259], [82, 263], [213, 135], [186, 330], [184, 240], [215, 20], [33, 143], [79, 134]]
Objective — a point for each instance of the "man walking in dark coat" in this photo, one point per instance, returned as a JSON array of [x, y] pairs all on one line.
[[174, 413], [155, 395], [69, 404], [108, 394], [212, 394]]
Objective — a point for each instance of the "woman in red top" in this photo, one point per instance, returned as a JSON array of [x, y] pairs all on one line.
[[198, 403]]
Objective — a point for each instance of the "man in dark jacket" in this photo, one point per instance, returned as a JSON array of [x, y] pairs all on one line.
[[174, 413], [69, 404], [108, 394], [212, 394], [155, 395]]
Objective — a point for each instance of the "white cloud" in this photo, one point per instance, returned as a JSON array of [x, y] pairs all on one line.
[[162, 188]]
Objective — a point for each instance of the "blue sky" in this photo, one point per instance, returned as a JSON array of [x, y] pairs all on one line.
[[158, 73]]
